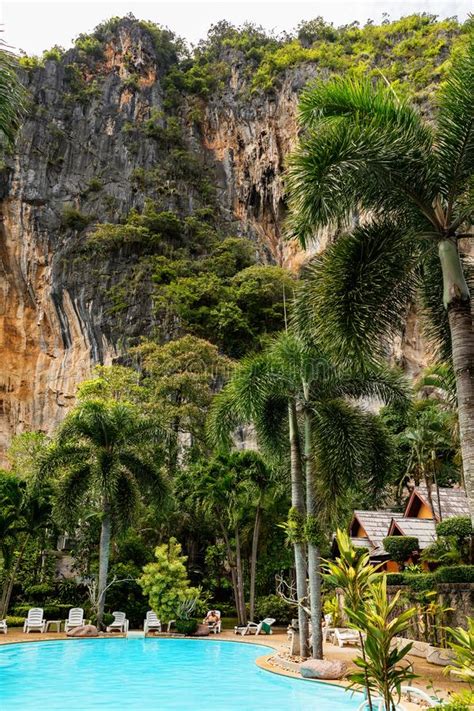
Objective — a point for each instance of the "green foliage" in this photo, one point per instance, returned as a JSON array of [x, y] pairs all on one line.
[[90, 46], [455, 574], [462, 644], [12, 97], [381, 669], [74, 219], [165, 581], [400, 548], [294, 526], [351, 572], [460, 527], [15, 621], [274, 606], [410, 52], [187, 627], [55, 53]]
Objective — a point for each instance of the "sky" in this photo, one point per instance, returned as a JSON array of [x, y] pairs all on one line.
[[35, 25]]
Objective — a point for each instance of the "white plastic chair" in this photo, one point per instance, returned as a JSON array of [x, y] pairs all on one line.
[[35, 620], [3, 626], [345, 636], [256, 628], [120, 623], [151, 622], [215, 627], [75, 619]]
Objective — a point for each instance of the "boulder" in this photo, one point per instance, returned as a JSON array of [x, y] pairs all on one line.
[[323, 669], [84, 631], [202, 631]]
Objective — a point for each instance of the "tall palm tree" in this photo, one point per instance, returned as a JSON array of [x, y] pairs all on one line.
[[105, 456], [366, 154], [338, 440], [12, 97]]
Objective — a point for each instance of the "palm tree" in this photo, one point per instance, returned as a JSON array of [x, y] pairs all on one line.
[[367, 154], [12, 97], [105, 456], [337, 438]]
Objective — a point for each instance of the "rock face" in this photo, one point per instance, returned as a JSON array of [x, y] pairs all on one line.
[[323, 669], [92, 149]]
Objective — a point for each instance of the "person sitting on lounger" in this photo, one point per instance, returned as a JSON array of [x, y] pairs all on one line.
[[211, 619]]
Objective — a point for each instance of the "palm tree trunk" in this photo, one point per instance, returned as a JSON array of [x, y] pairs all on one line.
[[240, 578], [253, 560], [314, 558], [457, 300], [104, 553], [10, 581], [233, 574], [297, 502]]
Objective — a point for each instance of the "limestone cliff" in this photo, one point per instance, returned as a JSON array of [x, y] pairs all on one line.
[[92, 138]]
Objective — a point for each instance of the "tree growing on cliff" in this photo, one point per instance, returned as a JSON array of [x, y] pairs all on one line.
[[106, 455], [364, 151]]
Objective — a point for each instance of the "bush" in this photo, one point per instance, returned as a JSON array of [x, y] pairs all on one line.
[[187, 627], [51, 611], [458, 526], [420, 583], [15, 621], [396, 579], [74, 219], [274, 606], [400, 548], [455, 574]]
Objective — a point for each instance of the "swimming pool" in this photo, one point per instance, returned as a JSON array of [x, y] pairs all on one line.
[[153, 675]]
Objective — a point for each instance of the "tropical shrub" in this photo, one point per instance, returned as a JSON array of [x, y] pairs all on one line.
[[381, 669], [455, 574], [165, 581], [15, 621], [187, 627], [462, 644], [274, 606], [400, 548]]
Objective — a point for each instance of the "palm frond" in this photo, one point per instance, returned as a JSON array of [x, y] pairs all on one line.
[[144, 471], [71, 491], [355, 295], [125, 501], [389, 385], [12, 97], [454, 143], [361, 150]]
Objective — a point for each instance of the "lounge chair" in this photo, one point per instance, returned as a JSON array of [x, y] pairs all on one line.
[[151, 622], [256, 627], [215, 627], [120, 623], [35, 620], [75, 619], [345, 636], [3, 626]]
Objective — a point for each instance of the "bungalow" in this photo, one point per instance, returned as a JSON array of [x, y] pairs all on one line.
[[369, 528]]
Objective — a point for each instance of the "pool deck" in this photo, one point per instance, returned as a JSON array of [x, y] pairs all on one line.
[[431, 677]]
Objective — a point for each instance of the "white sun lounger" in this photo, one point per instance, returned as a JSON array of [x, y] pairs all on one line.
[[35, 620], [345, 636], [75, 619], [120, 623], [3, 626], [151, 622], [255, 627]]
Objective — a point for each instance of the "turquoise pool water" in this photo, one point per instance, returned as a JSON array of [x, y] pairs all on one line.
[[153, 675]]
